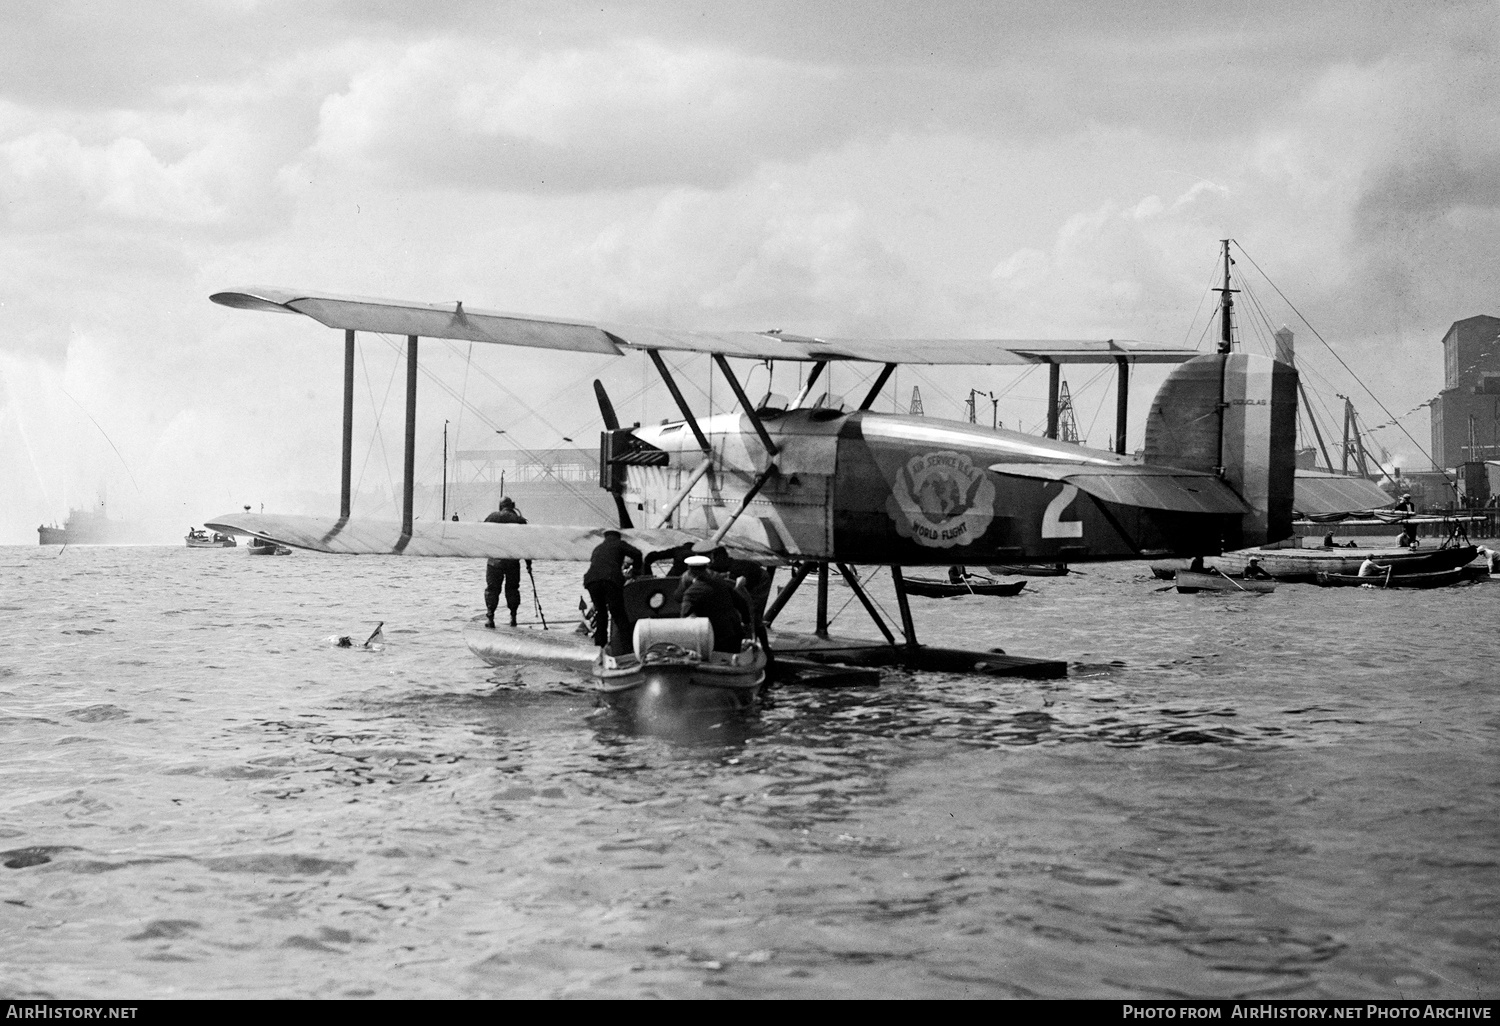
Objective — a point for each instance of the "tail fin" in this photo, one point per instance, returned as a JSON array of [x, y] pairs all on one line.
[[1234, 415]]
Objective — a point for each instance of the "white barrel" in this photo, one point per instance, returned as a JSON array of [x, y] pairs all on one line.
[[694, 633]]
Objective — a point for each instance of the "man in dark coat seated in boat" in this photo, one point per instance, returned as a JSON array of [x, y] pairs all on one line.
[[1253, 571], [503, 574], [705, 593], [605, 583]]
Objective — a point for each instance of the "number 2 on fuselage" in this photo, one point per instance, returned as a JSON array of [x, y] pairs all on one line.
[[1053, 525]]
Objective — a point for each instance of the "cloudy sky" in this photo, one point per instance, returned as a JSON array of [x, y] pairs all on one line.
[[1018, 169]]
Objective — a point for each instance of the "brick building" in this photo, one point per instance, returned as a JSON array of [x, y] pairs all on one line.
[[1470, 399]]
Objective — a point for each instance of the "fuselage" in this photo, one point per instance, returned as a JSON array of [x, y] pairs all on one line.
[[866, 487]]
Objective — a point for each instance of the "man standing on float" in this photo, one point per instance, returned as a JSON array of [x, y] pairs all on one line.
[[503, 573]]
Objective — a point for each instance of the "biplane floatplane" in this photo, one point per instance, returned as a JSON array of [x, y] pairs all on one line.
[[808, 487]]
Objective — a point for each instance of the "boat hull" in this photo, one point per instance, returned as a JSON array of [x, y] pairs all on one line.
[[928, 587], [268, 550], [1190, 582], [1435, 579], [676, 685], [1304, 565], [660, 682]]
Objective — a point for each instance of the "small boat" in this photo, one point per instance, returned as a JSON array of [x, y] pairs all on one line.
[[1190, 582], [199, 539], [266, 547], [931, 587], [1305, 565], [1430, 579], [671, 666], [1030, 569]]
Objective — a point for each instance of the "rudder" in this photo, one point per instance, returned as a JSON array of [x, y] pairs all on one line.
[[1234, 415]]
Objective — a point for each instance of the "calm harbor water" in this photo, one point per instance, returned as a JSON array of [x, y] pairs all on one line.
[[1293, 795]]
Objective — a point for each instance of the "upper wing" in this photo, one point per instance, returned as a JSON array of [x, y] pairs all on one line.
[[466, 539], [426, 320], [1151, 487]]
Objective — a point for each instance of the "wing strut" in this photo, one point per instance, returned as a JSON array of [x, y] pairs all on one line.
[[344, 495], [1122, 401], [739, 393], [765, 439], [687, 413], [885, 374], [409, 470], [812, 378]]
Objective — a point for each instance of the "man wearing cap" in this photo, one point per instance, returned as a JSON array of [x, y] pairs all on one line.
[[706, 594], [503, 573], [605, 583], [678, 554], [757, 580]]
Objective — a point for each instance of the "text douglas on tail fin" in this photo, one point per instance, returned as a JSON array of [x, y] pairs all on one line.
[[1235, 415]]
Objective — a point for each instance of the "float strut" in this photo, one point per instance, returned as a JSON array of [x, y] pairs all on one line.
[[859, 593], [907, 627], [799, 574], [821, 630]]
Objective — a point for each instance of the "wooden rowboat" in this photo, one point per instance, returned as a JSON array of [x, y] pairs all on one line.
[[1434, 579], [1304, 565], [1190, 582], [931, 587]]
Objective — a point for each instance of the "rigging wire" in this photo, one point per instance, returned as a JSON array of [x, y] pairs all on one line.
[[1336, 356], [112, 445], [378, 436], [529, 453]]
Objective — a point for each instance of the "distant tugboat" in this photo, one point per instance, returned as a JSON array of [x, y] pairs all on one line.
[[86, 527]]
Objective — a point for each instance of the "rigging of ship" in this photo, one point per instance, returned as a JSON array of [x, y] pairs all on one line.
[[1342, 488], [811, 485]]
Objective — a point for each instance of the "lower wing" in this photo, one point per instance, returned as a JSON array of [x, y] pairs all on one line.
[[353, 537]]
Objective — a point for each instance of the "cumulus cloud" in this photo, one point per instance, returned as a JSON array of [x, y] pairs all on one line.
[[628, 113], [54, 178], [761, 256]]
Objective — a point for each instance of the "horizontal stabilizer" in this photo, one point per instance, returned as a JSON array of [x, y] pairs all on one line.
[[460, 539], [1319, 493], [1149, 487], [431, 320]]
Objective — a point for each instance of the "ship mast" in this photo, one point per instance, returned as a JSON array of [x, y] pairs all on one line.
[[1226, 305]]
